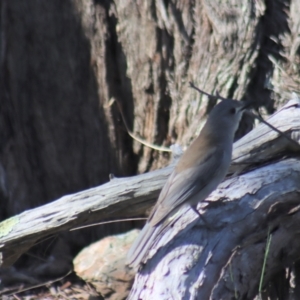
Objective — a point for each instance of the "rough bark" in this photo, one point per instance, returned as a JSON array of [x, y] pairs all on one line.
[[235, 47]]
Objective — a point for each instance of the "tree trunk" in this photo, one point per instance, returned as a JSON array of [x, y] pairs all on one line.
[[59, 135]]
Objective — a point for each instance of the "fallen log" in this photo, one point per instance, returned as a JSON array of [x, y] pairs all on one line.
[[221, 254], [132, 196]]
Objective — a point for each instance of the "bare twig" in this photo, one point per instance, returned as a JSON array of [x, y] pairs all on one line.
[[143, 142], [260, 118], [108, 222], [206, 94]]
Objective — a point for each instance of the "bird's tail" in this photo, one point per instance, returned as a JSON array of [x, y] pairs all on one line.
[[142, 245]]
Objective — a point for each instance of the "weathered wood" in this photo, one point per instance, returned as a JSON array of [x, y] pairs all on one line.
[[125, 197], [212, 257], [220, 255], [121, 197]]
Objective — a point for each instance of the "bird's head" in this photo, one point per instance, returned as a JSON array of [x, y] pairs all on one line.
[[225, 117]]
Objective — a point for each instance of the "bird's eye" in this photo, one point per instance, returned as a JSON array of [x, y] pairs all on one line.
[[232, 111]]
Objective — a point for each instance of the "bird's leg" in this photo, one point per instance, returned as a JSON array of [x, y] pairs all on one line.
[[201, 217]]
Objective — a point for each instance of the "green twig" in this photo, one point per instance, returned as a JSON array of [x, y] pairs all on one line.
[[231, 276], [265, 261]]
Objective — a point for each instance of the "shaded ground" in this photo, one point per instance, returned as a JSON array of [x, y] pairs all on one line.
[[69, 287]]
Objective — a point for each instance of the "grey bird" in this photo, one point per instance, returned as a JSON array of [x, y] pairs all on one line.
[[198, 172]]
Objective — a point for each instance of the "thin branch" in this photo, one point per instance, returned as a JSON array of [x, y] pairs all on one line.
[[108, 222], [143, 142], [206, 94], [260, 118]]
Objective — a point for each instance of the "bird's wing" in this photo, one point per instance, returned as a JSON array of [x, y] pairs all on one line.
[[182, 186], [141, 245]]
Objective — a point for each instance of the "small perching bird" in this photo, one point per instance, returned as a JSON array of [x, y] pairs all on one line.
[[198, 172]]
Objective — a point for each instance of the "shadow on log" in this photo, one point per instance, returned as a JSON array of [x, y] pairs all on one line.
[[219, 256]]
